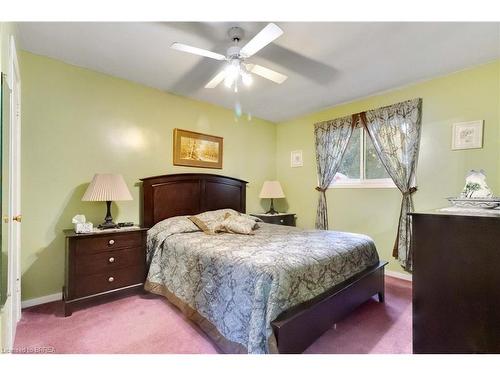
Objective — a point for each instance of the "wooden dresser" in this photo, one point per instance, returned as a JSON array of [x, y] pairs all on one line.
[[456, 283], [103, 263], [280, 219]]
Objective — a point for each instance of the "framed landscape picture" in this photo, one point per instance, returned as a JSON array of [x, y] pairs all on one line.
[[197, 150]]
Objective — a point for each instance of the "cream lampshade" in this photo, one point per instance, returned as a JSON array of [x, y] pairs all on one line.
[[271, 189], [107, 187]]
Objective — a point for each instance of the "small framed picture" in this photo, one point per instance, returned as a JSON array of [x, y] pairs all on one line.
[[296, 159], [467, 135]]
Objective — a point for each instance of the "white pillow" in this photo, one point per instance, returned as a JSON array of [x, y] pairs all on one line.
[[238, 224], [209, 221]]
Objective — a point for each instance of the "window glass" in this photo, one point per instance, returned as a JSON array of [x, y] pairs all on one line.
[[361, 166], [349, 168], [373, 166]]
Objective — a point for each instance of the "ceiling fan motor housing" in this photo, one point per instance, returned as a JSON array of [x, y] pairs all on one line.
[[235, 33]]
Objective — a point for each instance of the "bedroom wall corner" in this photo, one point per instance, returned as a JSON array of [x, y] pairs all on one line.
[[77, 122], [472, 94]]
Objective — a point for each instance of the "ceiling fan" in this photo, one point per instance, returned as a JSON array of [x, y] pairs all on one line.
[[237, 69]]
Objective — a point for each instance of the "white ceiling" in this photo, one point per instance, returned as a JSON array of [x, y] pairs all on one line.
[[327, 63]]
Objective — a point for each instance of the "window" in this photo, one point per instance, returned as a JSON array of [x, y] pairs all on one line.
[[361, 166]]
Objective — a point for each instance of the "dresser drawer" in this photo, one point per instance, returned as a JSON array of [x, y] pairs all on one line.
[[109, 280], [283, 220], [109, 261], [110, 241], [278, 219]]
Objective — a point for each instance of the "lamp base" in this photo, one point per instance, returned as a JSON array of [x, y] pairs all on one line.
[[108, 225], [272, 211], [108, 220]]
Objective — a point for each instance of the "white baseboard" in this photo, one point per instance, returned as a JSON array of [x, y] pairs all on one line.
[[58, 296], [399, 275], [41, 300]]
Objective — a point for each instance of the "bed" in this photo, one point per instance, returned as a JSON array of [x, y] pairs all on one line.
[[273, 292]]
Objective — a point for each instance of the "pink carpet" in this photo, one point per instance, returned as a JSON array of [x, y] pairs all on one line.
[[149, 324]]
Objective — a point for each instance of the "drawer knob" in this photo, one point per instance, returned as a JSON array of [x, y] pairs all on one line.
[[111, 260], [281, 220], [111, 242], [111, 279]]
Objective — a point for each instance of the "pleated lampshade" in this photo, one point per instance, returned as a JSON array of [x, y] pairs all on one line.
[[107, 187], [271, 189]]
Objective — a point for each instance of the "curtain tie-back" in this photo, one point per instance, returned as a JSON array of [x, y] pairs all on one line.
[[411, 191], [317, 188]]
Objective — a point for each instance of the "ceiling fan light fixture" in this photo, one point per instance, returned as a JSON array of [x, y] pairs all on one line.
[[228, 82], [246, 78], [233, 68], [232, 73]]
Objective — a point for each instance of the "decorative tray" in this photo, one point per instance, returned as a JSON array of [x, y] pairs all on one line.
[[492, 202]]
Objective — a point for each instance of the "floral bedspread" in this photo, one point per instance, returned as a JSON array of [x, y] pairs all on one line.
[[241, 283]]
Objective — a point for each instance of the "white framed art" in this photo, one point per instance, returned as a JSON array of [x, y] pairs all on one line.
[[467, 135], [296, 159]]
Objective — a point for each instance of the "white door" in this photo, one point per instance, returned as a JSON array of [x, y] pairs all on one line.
[[11, 199], [15, 184]]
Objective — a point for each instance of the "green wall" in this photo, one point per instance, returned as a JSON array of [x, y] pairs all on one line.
[[471, 94], [77, 122]]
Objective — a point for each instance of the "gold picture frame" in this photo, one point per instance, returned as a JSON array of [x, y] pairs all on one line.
[[193, 149]]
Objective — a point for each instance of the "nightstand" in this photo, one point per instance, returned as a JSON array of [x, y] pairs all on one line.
[[280, 219], [103, 263]]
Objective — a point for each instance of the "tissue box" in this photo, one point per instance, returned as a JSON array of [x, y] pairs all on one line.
[[84, 227]]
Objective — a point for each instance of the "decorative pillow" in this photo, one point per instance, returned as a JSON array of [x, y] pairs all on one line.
[[177, 224], [239, 224], [209, 221]]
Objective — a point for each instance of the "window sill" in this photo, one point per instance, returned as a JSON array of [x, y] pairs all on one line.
[[384, 184]]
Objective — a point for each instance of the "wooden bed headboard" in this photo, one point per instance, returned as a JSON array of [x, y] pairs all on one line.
[[189, 194]]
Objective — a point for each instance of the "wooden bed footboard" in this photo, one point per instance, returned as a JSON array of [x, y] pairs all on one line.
[[298, 327]]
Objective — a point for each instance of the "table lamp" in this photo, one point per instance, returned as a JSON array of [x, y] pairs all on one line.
[[107, 187], [271, 189]]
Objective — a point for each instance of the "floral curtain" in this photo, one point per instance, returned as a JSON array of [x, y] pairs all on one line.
[[331, 139], [395, 132]]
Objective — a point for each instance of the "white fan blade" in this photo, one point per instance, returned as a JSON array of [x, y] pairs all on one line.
[[197, 51], [262, 39], [216, 80], [267, 73]]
